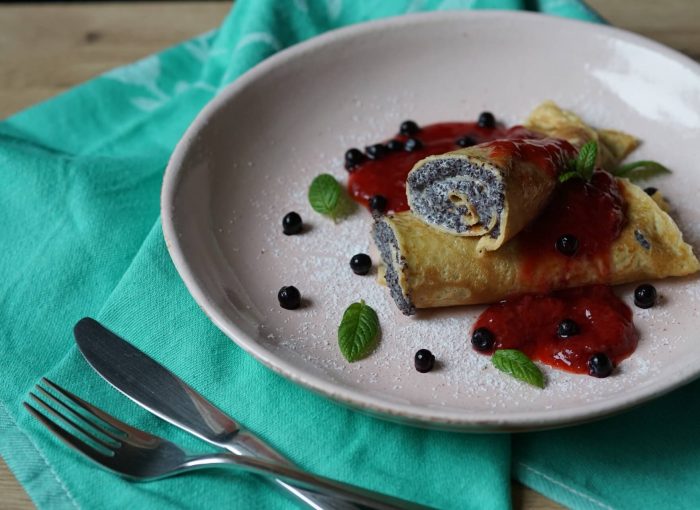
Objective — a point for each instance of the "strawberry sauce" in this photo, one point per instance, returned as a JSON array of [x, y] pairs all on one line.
[[529, 323], [594, 213], [387, 176], [549, 154]]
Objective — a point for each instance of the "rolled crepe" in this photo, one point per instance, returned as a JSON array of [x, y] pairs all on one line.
[[493, 190], [490, 190], [428, 268]]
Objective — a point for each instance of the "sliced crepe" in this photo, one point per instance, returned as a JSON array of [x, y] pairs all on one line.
[[490, 191], [487, 192]]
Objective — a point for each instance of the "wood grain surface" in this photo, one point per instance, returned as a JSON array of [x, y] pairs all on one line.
[[47, 48]]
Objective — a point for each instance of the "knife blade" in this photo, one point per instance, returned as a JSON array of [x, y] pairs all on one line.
[[156, 389]]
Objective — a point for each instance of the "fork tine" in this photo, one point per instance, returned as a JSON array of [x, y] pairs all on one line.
[[48, 409], [90, 420], [86, 406], [67, 437]]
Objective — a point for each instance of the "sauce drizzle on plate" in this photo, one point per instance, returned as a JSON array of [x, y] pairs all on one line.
[[530, 324], [386, 176]]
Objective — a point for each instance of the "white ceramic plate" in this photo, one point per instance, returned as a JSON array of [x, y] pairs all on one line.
[[249, 156]]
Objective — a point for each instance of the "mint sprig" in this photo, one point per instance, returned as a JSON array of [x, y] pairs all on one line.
[[516, 363], [358, 331], [325, 195], [583, 164], [641, 170]]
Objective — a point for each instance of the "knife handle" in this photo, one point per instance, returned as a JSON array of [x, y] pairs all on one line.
[[246, 443]]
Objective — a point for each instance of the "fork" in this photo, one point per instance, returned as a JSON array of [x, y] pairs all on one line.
[[141, 456]]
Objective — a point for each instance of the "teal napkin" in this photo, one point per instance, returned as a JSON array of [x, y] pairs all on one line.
[[79, 205]]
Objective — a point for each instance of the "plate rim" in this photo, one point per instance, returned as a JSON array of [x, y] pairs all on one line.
[[466, 421]]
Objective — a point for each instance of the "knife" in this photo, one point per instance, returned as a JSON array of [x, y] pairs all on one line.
[[161, 392]]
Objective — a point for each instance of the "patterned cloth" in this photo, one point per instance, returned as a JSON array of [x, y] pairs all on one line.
[[79, 208]]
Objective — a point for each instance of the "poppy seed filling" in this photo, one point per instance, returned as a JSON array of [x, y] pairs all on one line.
[[386, 242], [439, 188], [643, 241]]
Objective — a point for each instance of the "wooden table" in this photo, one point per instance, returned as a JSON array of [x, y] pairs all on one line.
[[45, 49]]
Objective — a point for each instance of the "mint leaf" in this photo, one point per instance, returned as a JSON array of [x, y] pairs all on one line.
[[585, 161], [325, 195], [358, 331], [568, 175], [583, 165], [641, 170], [514, 362]]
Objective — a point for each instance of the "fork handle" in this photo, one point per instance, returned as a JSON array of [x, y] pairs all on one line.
[[248, 444], [307, 483]]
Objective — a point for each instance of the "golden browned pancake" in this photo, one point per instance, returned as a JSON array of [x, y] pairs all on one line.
[[426, 267]]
